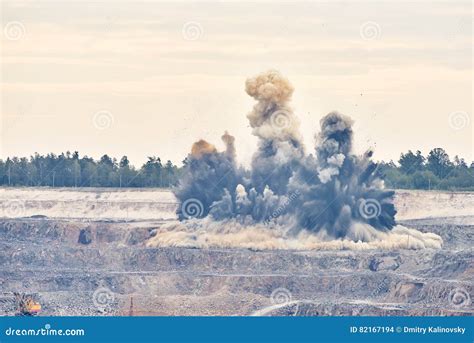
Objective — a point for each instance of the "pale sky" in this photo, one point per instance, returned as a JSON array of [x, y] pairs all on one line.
[[164, 74]]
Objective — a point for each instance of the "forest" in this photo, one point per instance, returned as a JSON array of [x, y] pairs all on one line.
[[70, 170], [412, 171]]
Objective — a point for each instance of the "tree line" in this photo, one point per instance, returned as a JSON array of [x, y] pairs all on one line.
[[70, 170], [411, 171], [435, 171]]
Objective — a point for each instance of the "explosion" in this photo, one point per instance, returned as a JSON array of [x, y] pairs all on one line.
[[288, 199]]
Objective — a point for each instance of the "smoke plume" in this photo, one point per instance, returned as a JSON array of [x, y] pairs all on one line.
[[289, 198]]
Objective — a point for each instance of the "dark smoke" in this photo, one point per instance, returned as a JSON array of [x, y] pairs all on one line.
[[208, 177], [346, 188], [326, 193]]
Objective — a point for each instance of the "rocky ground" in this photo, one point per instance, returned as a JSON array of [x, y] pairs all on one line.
[[90, 259]]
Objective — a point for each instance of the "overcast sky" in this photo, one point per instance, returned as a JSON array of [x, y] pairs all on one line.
[[149, 78]]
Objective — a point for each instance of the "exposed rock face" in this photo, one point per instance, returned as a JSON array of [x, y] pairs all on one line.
[[151, 204], [80, 267], [175, 281]]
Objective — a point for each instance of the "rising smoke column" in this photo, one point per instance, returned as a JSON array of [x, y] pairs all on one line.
[[272, 120], [335, 192], [344, 189], [208, 177], [279, 152]]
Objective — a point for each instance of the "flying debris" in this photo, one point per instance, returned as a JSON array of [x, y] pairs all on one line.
[[347, 188], [332, 193]]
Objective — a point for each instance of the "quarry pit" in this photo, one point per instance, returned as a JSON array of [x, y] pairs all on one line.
[[83, 252]]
